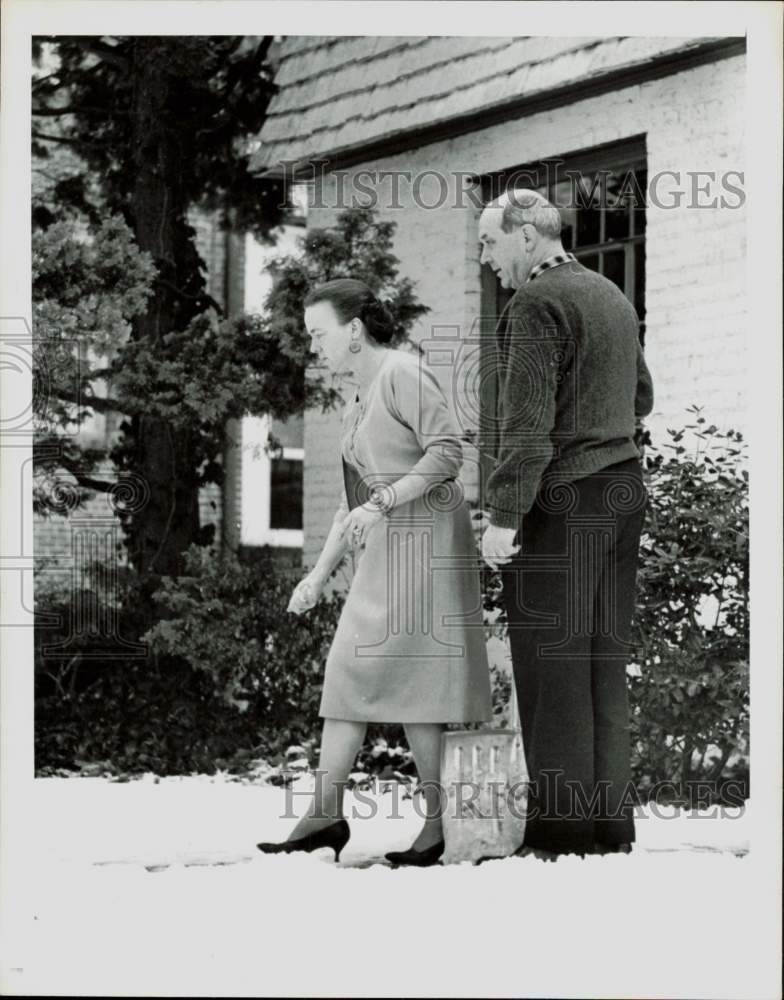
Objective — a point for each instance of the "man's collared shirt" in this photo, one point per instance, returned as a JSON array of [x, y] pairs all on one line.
[[559, 258]]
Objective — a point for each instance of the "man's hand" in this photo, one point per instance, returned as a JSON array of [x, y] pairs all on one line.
[[498, 545]]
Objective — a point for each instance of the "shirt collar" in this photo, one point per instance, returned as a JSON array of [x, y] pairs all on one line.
[[554, 261]]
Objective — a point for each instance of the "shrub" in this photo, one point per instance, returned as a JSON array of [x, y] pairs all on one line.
[[690, 695], [229, 620], [97, 707], [228, 672]]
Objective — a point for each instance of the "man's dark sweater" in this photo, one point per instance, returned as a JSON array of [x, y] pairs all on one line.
[[572, 384]]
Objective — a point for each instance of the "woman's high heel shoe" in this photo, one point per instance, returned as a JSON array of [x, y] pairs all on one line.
[[421, 859], [335, 836]]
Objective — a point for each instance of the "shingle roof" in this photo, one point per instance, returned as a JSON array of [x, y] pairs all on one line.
[[340, 93]]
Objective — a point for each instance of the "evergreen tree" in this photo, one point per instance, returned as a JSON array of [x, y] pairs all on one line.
[[129, 135]]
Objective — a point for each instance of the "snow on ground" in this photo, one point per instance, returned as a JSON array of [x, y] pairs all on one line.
[[156, 887]]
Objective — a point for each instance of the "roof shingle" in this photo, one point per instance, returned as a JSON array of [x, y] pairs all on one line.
[[344, 92]]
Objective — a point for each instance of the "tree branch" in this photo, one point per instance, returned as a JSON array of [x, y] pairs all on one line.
[[84, 480], [67, 141], [102, 404], [77, 110]]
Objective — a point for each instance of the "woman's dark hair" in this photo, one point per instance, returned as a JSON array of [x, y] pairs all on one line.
[[349, 298]]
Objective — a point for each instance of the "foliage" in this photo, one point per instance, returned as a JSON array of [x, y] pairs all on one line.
[[131, 134], [230, 621], [136, 716], [690, 699], [97, 706], [360, 246], [212, 94], [90, 285], [227, 672]]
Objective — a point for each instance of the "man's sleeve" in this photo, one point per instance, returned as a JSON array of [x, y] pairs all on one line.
[[643, 399], [538, 353]]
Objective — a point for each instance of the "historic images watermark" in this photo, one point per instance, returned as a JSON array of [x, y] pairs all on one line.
[[554, 797], [431, 189]]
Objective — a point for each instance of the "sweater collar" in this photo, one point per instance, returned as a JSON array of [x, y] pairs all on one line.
[[554, 261]]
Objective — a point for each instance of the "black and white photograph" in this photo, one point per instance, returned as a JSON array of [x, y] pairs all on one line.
[[391, 499]]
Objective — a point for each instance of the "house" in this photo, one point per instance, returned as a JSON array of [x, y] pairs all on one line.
[[428, 128]]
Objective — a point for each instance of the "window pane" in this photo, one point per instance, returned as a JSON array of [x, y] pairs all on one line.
[[561, 197], [641, 177], [639, 279], [616, 223], [590, 260], [586, 198], [288, 433], [286, 493], [613, 267], [588, 222]]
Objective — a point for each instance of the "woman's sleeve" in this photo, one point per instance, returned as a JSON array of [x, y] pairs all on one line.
[[417, 400], [342, 512]]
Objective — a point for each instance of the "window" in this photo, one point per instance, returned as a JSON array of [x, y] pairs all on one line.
[[272, 478], [272, 462], [600, 194]]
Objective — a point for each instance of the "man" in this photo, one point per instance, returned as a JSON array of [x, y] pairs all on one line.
[[566, 504]]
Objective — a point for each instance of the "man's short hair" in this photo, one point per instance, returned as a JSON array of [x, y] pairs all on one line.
[[523, 206]]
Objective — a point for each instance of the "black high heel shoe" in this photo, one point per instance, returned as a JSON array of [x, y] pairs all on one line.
[[420, 859], [335, 835]]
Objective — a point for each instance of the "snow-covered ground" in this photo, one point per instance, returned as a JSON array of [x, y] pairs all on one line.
[[155, 887]]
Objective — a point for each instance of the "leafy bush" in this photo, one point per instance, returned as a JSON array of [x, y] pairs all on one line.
[[690, 695], [228, 674], [229, 620], [97, 707]]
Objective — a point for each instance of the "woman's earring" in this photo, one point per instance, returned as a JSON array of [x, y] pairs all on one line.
[[355, 347]]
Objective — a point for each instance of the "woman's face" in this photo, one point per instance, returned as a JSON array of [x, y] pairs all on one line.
[[329, 338]]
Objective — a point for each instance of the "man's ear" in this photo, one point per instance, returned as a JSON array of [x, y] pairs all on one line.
[[529, 236]]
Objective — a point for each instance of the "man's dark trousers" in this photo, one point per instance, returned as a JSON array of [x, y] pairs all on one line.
[[569, 595]]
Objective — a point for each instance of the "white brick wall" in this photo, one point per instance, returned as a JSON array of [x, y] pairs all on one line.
[[695, 272]]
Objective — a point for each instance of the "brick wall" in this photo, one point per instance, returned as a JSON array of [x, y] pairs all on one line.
[[695, 297]]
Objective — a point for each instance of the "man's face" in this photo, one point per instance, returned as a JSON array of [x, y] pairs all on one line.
[[504, 252]]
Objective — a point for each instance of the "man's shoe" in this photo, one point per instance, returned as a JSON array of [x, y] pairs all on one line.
[[536, 852], [611, 849]]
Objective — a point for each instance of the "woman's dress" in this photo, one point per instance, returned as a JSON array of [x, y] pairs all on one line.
[[409, 645]]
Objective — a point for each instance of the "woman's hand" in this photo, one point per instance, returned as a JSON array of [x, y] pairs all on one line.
[[357, 524], [307, 592]]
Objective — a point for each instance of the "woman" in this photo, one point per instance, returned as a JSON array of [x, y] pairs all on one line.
[[409, 646]]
